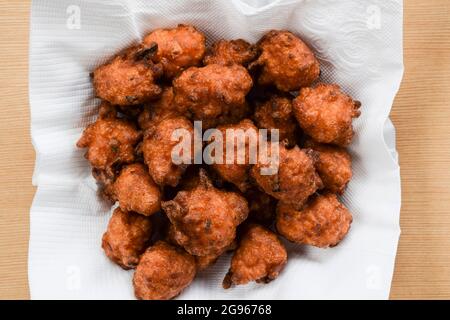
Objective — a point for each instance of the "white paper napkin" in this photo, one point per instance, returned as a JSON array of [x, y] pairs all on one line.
[[359, 44]]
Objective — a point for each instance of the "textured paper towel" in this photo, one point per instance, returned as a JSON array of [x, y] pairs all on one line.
[[359, 44]]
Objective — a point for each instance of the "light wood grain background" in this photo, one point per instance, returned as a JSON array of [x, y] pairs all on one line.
[[421, 115]]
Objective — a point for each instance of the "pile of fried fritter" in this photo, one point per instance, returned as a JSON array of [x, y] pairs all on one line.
[[173, 221]]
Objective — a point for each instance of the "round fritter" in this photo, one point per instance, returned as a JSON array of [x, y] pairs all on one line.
[[129, 79], [205, 218], [110, 141], [126, 238], [285, 62], [163, 272], [259, 257], [231, 52], [325, 113], [276, 113], [262, 206], [296, 178], [244, 137], [212, 92], [323, 222], [178, 48], [136, 191], [157, 148], [334, 165], [158, 110]]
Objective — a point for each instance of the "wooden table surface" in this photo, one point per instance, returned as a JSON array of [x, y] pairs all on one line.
[[421, 114]]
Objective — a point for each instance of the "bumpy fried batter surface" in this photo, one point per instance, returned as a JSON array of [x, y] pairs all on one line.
[[296, 179], [234, 172], [157, 148], [178, 48], [259, 257], [109, 141], [325, 113], [212, 92], [156, 111], [276, 113], [334, 166], [285, 62], [129, 79], [323, 222], [262, 206], [231, 52], [136, 191], [163, 272], [205, 218], [126, 238]]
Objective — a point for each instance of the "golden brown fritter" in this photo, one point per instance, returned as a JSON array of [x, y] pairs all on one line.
[[262, 206], [334, 165], [136, 191], [212, 92], [323, 222], [163, 272], [157, 148], [178, 48], [231, 52], [259, 257], [285, 62], [325, 113], [109, 141], [205, 218], [276, 113], [126, 238], [244, 137], [129, 78], [156, 111], [296, 178]]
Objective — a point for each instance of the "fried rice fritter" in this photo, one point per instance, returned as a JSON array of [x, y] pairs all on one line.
[[231, 52], [163, 272], [212, 93], [178, 48], [136, 191], [158, 146], [205, 218], [325, 113], [334, 166], [323, 222], [129, 78], [296, 178], [260, 257], [285, 62], [126, 238]]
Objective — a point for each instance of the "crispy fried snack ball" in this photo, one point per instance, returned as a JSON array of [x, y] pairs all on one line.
[[136, 191], [325, 113], [276, 113], [259, 257], [129, 78], [163, 272], [244, 138], [157, 148], [285, 62], [205, 218], [296, 178], [334, 165], [109, 141], [178, 48], [212, 92], [231, 52], [156, 111], [262, 206], [126, 238], [323, 222]]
